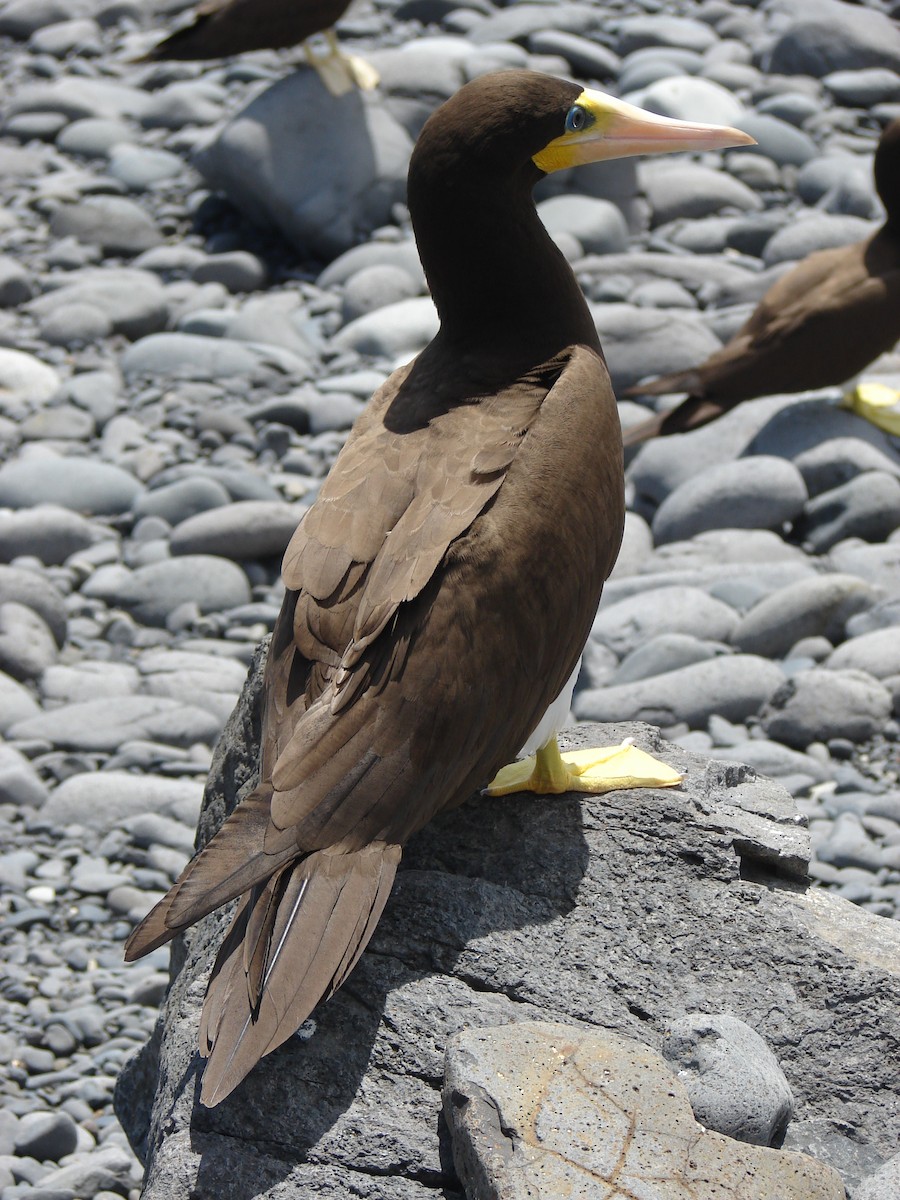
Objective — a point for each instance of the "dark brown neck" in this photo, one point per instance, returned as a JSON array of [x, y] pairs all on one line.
[[498, 280]]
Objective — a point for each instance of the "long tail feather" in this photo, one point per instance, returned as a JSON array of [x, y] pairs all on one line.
[[235, 860], [327, 908]]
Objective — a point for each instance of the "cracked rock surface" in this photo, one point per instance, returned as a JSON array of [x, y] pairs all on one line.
[[621, 913]]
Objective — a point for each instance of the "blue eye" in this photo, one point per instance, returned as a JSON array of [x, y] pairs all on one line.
[[576, 119]]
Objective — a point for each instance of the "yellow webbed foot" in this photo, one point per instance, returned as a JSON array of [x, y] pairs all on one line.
[[876, 402], [595, 770], [339, 72]]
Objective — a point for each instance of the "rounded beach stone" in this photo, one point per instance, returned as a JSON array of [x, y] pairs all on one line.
[[375, 287], [81, 484], [116, 225], [732, 686], [841, 36], [687, 98], [819, 231], [665, 652], [597, 224], [883, 1185], [47, 532], [877, 653], [25, 382], [733, 1079], [867, 506], [639, 342], [175, 502], [820, 704], [784, 144], [248, 529], [152, 592], [396, 331], [690, 190], [819, 605], [628, 624], [46, 1136], [101, 801], [751, 493], [27, 647], [105, 724], [838, 460]]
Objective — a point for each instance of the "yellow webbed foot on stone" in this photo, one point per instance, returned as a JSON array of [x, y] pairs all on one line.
[[595, 770], [339, 72], [876, 402]]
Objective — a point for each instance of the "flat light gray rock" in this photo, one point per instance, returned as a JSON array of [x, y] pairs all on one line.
[[26, 383], [733, 1080], [37, 592], [818, 231], [798, 424], [105, 724], [626, 931], [877, 653], [819, 605], [176, 502], [398, 330], [629, 624], [639, 342], [80, 484], [867, 507], [536, 1109], [48, 532], [832, 36], [691, 190], [597, 224], [115, 224], [262, 157], [375, 287], [688, 98], [27, 646], [778, 140], [248, 529], [102, 800], [840, 459], [193, 356], [153, 591], [883, 1185], [134, 301], [662, 653], [734, 687], [751, 493], [818, 704]]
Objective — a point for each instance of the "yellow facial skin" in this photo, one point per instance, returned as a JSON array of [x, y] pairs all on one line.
[[614, 129]]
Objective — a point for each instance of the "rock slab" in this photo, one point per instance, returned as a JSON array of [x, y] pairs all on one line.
[[623, 913]]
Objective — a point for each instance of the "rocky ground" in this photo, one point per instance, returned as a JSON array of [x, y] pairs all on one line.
[[175, 381]]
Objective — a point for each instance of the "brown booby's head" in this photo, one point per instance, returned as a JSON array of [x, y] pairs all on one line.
[[887, 170], [513, 121]]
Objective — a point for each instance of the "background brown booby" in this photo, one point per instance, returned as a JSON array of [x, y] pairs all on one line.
[[442, 587], [819, 325], [225, 27]]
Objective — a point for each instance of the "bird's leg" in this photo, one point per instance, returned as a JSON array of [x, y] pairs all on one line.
[[595, 770], [339, 72]]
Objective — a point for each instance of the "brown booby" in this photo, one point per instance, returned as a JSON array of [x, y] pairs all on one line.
[[818, 325], [442, 586], [225, 27]]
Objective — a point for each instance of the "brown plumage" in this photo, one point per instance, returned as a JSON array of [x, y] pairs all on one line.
[[819, 325], [441, 588], [225, 27]]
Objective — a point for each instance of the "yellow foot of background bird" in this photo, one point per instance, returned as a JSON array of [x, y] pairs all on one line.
[[339, 72], [595, 770], [876, 402]]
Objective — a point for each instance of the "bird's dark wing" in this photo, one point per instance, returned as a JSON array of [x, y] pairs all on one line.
[[817, 326], [225, 27]]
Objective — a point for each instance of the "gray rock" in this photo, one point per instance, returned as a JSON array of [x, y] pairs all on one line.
[[772, 759], [877, 653], [37, 592], [152, 592], [27, 647], [664, 918], [826, 172], [46, 1136], [879, 616], [820, 605], [78, 36], [184, 102], [108, 1168], [733, 686], [867, 506], [883, 1185], [75, 483], [820, 704], [101, 801], [587, 58], [877, 565], [832, 36], [97, 392], [94, 137], [818, 231], [752, 493], [237, 270], [175, 502], [639, 342], [838, 460], [87, 679], [20, 784], [75, 325], [396, 331], [106, 723], [261, 161], [375, 287], [191, 356], [638, 32], [688, 190], [597, 224], [61, 423], [47, 532], [25, 383], [15, 283], [401, 254], [134, 302], [536, 1108], [21, 18], [733, 1080], [664, 652], [687, 98], [630, 623], [636, 548], [116, 225], [864, 88], [16, 704], [516, 25], [248, 529], [797, 425], [778, 140]]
